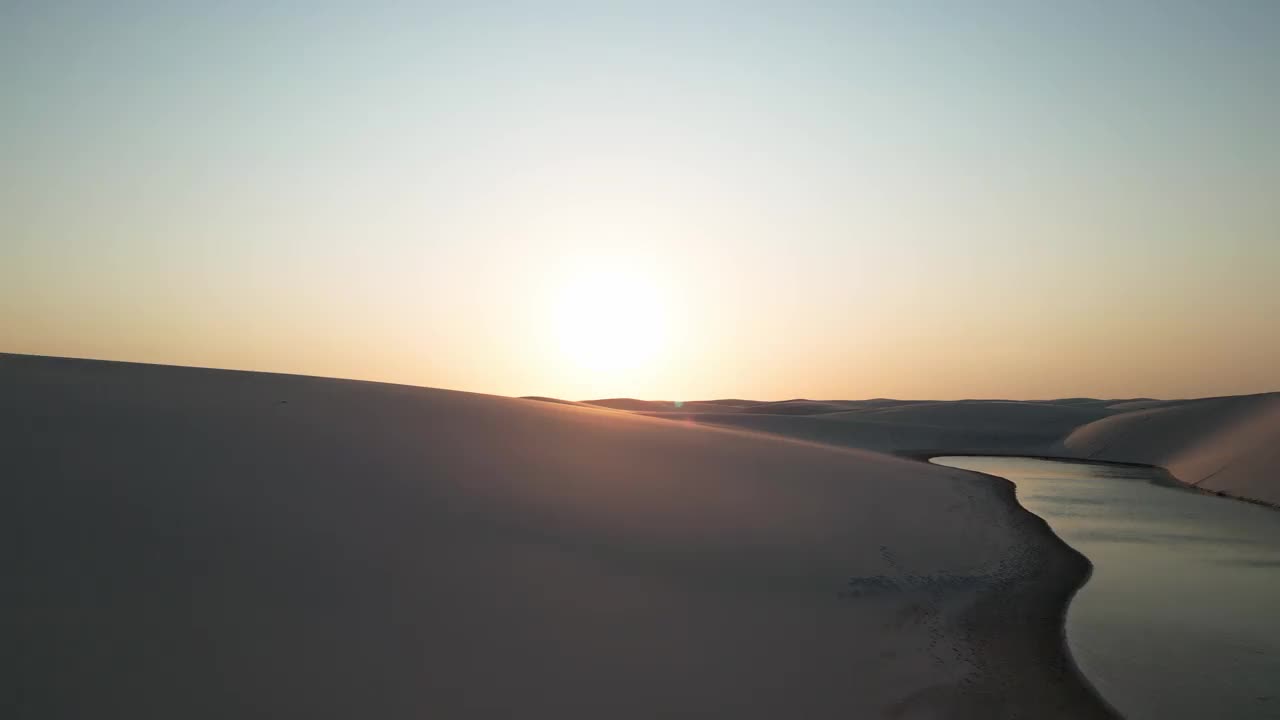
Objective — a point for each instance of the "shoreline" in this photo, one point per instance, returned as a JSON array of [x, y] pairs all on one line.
[[1122, 635], [1029, 607]]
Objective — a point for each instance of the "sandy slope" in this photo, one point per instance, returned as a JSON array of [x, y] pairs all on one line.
[[198, 543], [1229, 445]]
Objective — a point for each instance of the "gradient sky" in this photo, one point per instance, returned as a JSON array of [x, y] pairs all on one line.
[[914, 199]]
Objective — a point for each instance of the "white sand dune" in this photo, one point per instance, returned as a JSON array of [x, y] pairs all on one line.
[[779, 407], [634, 405], [1139, 404], [631, 404], [873, 433], [556, 400], [1078, 401], [987, 415], [801, 407], [1226, 445], [734, 402], [198, 543], [1229, 445], [918, 428]]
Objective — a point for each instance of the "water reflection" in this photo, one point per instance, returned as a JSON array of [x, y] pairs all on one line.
[[1181, 617]]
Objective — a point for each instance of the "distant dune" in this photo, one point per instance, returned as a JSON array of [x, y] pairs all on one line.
[[872, 433], [782, 407], [1076, 401], [192, 543], [1218, 444], [798, 407], [914, 428], [990, 415], [734, 402], [634, 405], [1228, 445], [1139, 404], [558, 401], [631, 404]]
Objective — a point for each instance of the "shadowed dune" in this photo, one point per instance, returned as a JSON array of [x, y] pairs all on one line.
[[781, 407], [852, 430], [1138, 404], [915, 428], [633, 405], [1223, 445], [988, 415], [1079, 402], [558, 401], [798, 407], [734, 402], [200, 543], [1228, 445], [882, 403]]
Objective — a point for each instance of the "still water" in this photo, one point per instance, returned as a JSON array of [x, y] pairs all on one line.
[[1181, 617]]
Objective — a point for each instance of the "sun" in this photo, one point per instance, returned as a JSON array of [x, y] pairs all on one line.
[[611, 321]]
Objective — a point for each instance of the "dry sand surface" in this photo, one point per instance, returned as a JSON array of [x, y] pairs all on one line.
[[1228, 445], [198, 543]]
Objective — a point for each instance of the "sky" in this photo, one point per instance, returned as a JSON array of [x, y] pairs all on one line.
[[668, 200]]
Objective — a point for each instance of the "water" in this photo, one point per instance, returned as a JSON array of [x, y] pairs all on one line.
[[1181, 617]]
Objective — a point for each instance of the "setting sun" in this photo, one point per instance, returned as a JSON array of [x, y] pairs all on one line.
[[610, 322]]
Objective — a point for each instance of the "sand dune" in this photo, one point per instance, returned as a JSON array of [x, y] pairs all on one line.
[[1080, 401], [1225, 445], [1229, 445], [199, 543], [1139, 404], [798, 407], [882, 403], [634, 405], [855, 431], [760, 407], [988, 415], [631, 404], [558, 401], [918, 428]]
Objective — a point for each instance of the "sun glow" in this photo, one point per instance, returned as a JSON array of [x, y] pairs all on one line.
[[611, 321]]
